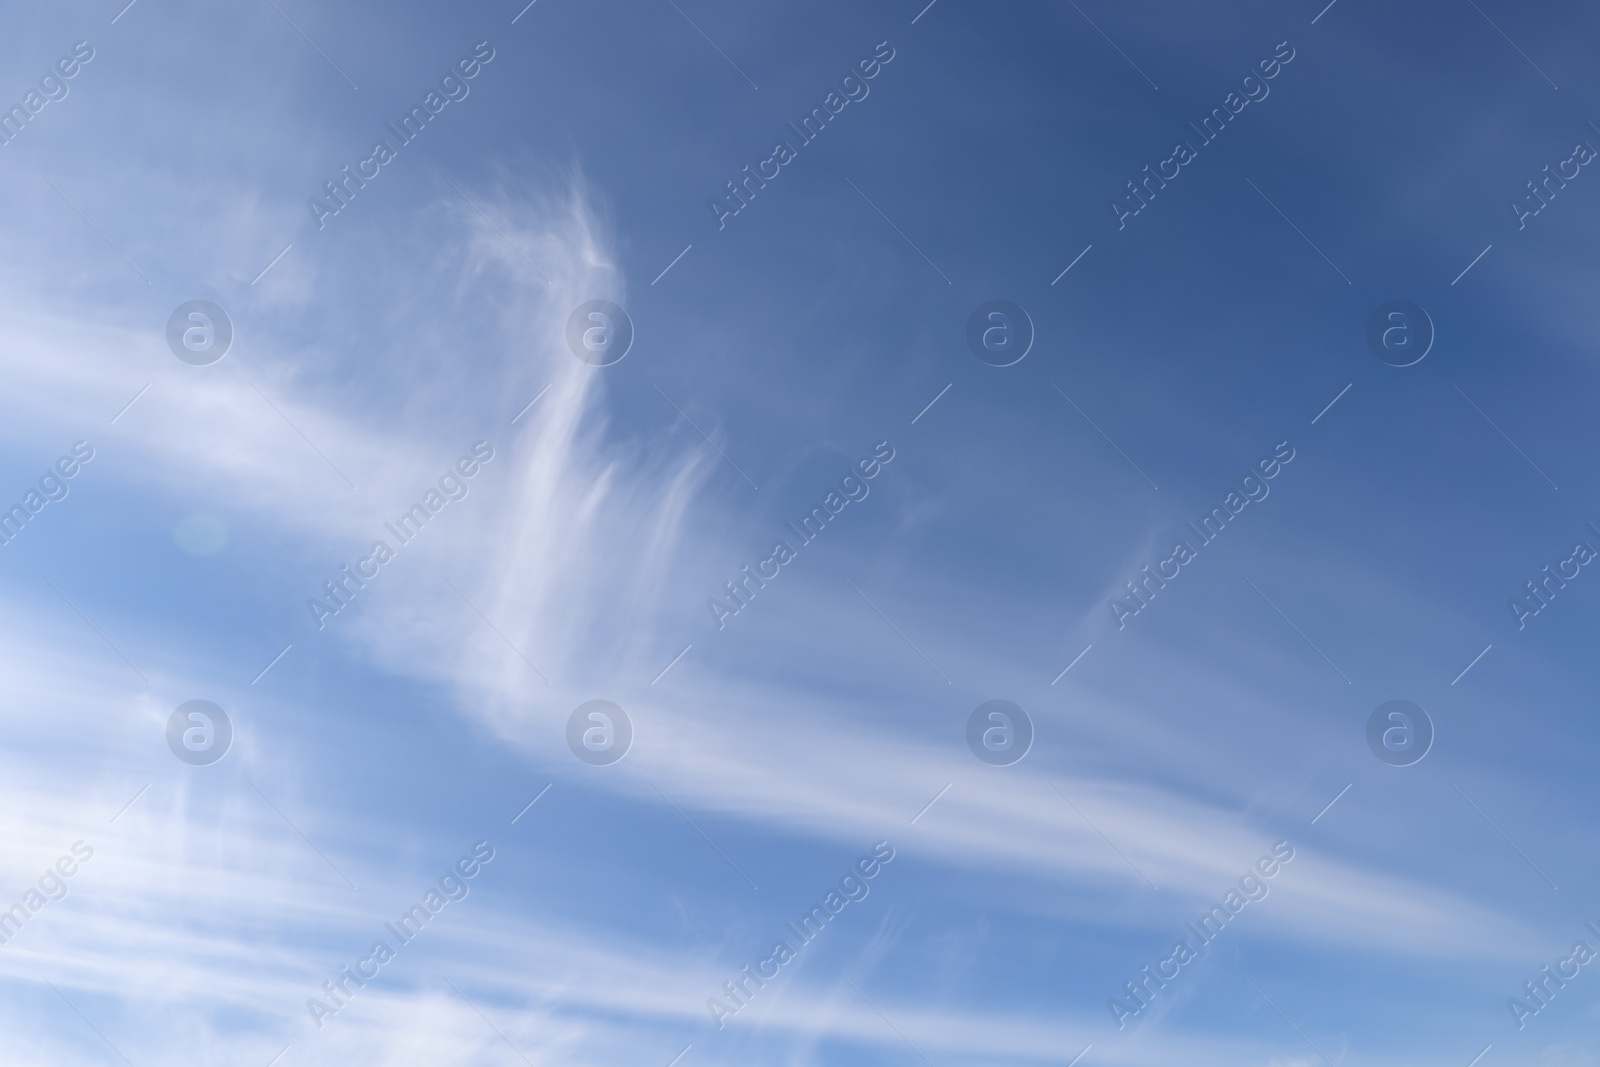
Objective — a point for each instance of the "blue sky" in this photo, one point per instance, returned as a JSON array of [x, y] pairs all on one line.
[[1223, 324]]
